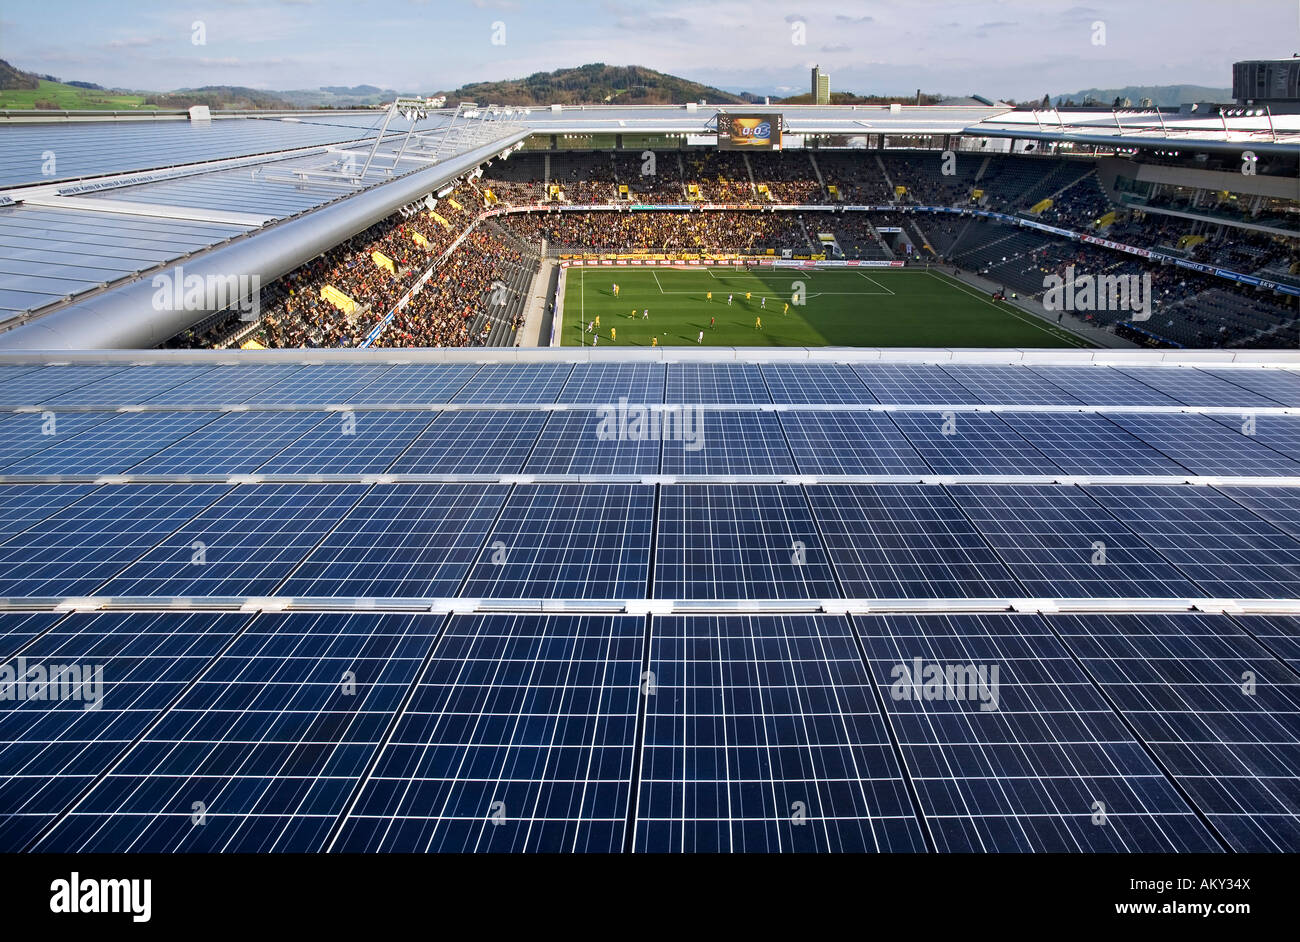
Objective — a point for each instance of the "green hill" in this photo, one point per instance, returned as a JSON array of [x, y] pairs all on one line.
[[593, 84], [24, 90]]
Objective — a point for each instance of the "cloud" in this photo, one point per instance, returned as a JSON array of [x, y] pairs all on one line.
[[795, 18], [133, 42], [839, 48], [997, 24], [841, 18], [663, 24]]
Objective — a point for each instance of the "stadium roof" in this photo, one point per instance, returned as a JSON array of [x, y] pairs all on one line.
[[418, 600]]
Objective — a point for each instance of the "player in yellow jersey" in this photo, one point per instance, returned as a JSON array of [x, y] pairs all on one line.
[[654, 341], [616, 289], [746, 295], [758, 323], [613, 333], [598, 322], [785, 309], [709, 296]]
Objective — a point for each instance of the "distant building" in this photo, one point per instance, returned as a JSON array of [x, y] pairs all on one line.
[[821, 86], [1263, 81]]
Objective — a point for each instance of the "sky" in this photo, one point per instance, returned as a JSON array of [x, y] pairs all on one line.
[[1018, 49]]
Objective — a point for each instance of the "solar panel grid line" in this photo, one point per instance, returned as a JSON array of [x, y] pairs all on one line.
[[1204, 446], [1008, 379], [1151, 680], [36, 841], [971, 443], [1086, 443], [241, 442], [116, 445], [1277, 634], [52, 381], [1195, 387]]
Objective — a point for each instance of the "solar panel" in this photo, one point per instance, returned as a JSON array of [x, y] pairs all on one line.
[[832, 383], [762, 734], [1058, 543], [736, 542], [520, 736], [113, 446], [471, 442], [1281, 433], [361, 442], [572, 443], [914, 384], [1204, 446], [131, 386], [401, 541], [320, 384], [53, 750], [1088, 443], [971, 443], [567, 541], [263, 751], [1009, 745], [607, 383], [225, 385], [38, 387], [1282, 386], [906, 541], [849, 443], [1280, 506], [409, 383], [715, 383], [523, 383], [1216, 709], [1195, 388], [26, 433], [1010, 385], [238, 443], [1103, 386], [81, 547], [1279, 633], [17, 628], [1229, 554], [22, 505], [246, 543], [729, 443]]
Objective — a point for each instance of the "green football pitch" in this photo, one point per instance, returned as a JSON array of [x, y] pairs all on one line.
[[841, 308]]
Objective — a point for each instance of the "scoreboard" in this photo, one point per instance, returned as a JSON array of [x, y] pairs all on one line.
[[749, 131]]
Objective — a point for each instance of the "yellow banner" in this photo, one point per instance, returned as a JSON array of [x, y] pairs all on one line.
[[337, 298], [440, 221], [1041, 206], [251, 345], [454, 204], [489, 196], [1107, 219], [976, 194], [900, 190], [383, 261], [420, 240]]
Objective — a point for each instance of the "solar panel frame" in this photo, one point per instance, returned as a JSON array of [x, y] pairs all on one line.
[[979, 443], [849, 443], [473, 442], [739, 442]]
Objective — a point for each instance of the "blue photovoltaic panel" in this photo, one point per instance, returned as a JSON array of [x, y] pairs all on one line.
[[25, 433], [320, 384], [1280, 506], [1022, 760], [1195, 388], [113, 446], [849, 443], [401, 541], [225, 385], [1204, 446], [417, 383], [573, 442], [568, 541], [238, 443], [1282, 386], [1281, 433], [1227, 552], [471, 442], [244, 544], [1088, 443], [815, 383], [51, 751], [728, 443], [607, 383], [271, 739], [520, 736], [1102, 386], [1178, 681], [914, 384], [38, 387], [734, 542], [762, 734], [906, 541], [1009, 385], [706, 383], [17, 628], [86, 544], [521, 384], [1279, 633], [971, 443], [362, 442], [1059, 544], [131, 386], [23, 505]]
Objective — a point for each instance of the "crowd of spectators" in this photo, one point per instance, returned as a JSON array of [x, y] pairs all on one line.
[[667, 231]]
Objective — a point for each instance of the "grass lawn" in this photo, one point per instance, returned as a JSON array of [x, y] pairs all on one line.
[[843, 308], [70, 98]]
